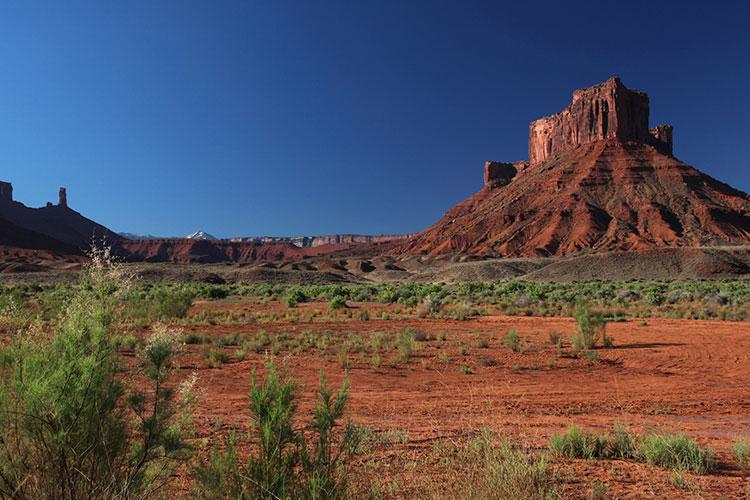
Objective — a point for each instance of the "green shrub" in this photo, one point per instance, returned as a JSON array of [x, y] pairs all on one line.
[[405, 345], [215, 357], [589, 326], [338, 302], [498, 471], [294, 297], [513, 341], [591, 356], [622, 445], [741, 450], [675, 451], [167, 303], [69, 427], [288, 463], [128, 341], [196, 338], [577, 443], [230, 340]]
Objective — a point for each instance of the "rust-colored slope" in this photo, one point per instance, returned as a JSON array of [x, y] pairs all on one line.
[[602, 196], [184, 251]]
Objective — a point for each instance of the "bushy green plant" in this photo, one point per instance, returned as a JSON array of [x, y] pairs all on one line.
[[338, 302], [288, 463], [294, 296], [513, 341], [127, 341], [741, 450], [675, 451], [405, 344], [170, 303], [589, 327], [196, 338], [577, 443], [215, 357], [69, 428], [496, 470]]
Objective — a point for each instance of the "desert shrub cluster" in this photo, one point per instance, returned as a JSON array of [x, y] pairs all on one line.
[[671, 450], [69, 426], [290, 462], [697, 299]]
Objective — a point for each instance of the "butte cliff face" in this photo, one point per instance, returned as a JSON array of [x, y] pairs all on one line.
[[598, 178], [605, 111]]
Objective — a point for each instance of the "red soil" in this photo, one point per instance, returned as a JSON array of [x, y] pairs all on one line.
[[676, 375]]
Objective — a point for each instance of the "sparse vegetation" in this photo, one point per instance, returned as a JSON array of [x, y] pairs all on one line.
[[590, 327], [32, 316], [675, 451], [484, 469], [290, 463], [741, 450], [577, 443], [513, 341]]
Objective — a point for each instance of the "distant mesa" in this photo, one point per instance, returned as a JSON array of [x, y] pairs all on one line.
[[597, 179], [57, 222]]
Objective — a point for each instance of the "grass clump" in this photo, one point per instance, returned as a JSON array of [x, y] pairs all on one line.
[[215, 357], [513, 341], [127, 341], [675, 451], [496, 470], [589, 328], [289, 463], [196, 338], [405, 345], [741, 451], [577, 443]]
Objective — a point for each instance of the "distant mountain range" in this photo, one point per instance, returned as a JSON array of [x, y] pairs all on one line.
[[298, 241]]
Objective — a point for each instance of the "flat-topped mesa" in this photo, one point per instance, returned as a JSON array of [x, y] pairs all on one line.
[[604, 111]]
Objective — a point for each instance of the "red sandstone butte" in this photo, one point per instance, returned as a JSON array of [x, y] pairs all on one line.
[[597, 179]]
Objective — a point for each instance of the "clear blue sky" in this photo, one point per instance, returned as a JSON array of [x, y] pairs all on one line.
[[305, 117]]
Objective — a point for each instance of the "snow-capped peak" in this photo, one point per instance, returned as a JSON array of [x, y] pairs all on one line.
[[201, 235]]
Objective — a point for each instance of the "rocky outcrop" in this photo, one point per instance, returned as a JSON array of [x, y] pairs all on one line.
[[605, 111], [661, 138], [6, 191], [59, 222], [598, 179], [497, 174]]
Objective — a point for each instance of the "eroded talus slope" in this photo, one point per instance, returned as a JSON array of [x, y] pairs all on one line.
[[603, 196]]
